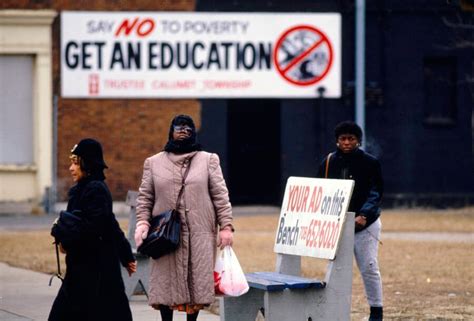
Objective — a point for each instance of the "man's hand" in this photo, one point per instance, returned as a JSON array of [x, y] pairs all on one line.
[[360, 222]]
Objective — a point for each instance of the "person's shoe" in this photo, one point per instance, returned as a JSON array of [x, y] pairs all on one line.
[[376, 314]]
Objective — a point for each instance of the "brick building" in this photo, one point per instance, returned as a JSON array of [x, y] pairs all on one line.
[[130, 130]]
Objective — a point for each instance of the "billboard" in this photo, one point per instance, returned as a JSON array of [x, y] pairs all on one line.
[[200, 55]]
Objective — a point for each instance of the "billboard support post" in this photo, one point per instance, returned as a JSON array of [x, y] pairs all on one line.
[[360, 65]]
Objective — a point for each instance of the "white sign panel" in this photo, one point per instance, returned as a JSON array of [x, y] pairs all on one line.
[[200, 55], [312, 215]]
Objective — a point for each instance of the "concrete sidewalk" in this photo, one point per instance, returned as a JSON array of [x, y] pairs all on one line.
[[25, 296]]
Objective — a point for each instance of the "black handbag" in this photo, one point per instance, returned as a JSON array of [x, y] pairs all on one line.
[[164, 235], [68, 228], [165, 229], [65, 228]]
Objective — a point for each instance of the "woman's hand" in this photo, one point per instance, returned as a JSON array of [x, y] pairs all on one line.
[[61, 249], [141, 232], [131, 268], [226, 237]]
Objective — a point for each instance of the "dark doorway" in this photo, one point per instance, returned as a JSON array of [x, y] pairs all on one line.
[[254, 151]]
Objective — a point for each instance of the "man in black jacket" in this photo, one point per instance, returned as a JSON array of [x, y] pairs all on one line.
[[350, 162]]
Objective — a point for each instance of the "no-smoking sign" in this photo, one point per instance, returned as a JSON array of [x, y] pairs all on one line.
[[303, 55]]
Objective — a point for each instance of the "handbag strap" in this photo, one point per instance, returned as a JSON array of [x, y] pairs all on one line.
[[327, 165], [58, 262], [183, 183]]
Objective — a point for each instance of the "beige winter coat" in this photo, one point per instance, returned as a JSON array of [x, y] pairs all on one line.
[[186, 275]]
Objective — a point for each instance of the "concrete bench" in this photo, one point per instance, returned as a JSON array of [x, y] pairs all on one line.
[[284, 295], [138, 282]]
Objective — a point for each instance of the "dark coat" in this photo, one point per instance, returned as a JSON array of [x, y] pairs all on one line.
[[366, 171], [93, 288]]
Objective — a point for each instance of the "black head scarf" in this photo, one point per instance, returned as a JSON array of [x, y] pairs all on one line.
[[184, 146]]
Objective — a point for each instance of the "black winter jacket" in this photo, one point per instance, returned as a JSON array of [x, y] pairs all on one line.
[[366, 171], [93, 288]]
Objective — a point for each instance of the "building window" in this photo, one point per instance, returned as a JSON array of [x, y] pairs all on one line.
[[440, 91], [16, 110]]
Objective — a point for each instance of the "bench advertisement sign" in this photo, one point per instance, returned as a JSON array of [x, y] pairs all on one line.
[[200, 55], [312, 215]]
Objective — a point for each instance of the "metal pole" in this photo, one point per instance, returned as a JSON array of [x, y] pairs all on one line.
[[322, 119], [54, 188], [360, 65]]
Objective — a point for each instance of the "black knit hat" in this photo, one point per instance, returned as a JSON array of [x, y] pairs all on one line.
[[348, 127], [90, 151]]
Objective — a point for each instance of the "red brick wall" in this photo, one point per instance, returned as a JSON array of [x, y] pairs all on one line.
[[129, 130]]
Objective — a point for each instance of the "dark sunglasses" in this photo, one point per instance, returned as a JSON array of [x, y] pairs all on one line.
[[186, 129]]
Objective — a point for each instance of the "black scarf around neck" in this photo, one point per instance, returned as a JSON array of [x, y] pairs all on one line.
[[182, 146]]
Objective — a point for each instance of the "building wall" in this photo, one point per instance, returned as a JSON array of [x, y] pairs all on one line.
[[422, 159], [129, 129], [426, 155], [28, 33], [425, 161]]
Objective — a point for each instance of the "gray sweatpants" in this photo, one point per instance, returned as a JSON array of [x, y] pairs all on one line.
[[366, 248]]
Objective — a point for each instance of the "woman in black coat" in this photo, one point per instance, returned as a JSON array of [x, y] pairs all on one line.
[[94, 244]]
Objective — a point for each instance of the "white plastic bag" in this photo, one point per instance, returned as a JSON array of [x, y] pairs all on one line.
[[229, 279]]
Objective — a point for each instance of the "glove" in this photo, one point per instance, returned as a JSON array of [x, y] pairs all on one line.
[[141, 232], [226, 237]]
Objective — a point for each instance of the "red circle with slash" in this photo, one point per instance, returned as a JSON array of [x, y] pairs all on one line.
[[319, 43]]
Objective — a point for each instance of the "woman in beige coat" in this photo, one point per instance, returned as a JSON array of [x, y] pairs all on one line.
[[183, 280]]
